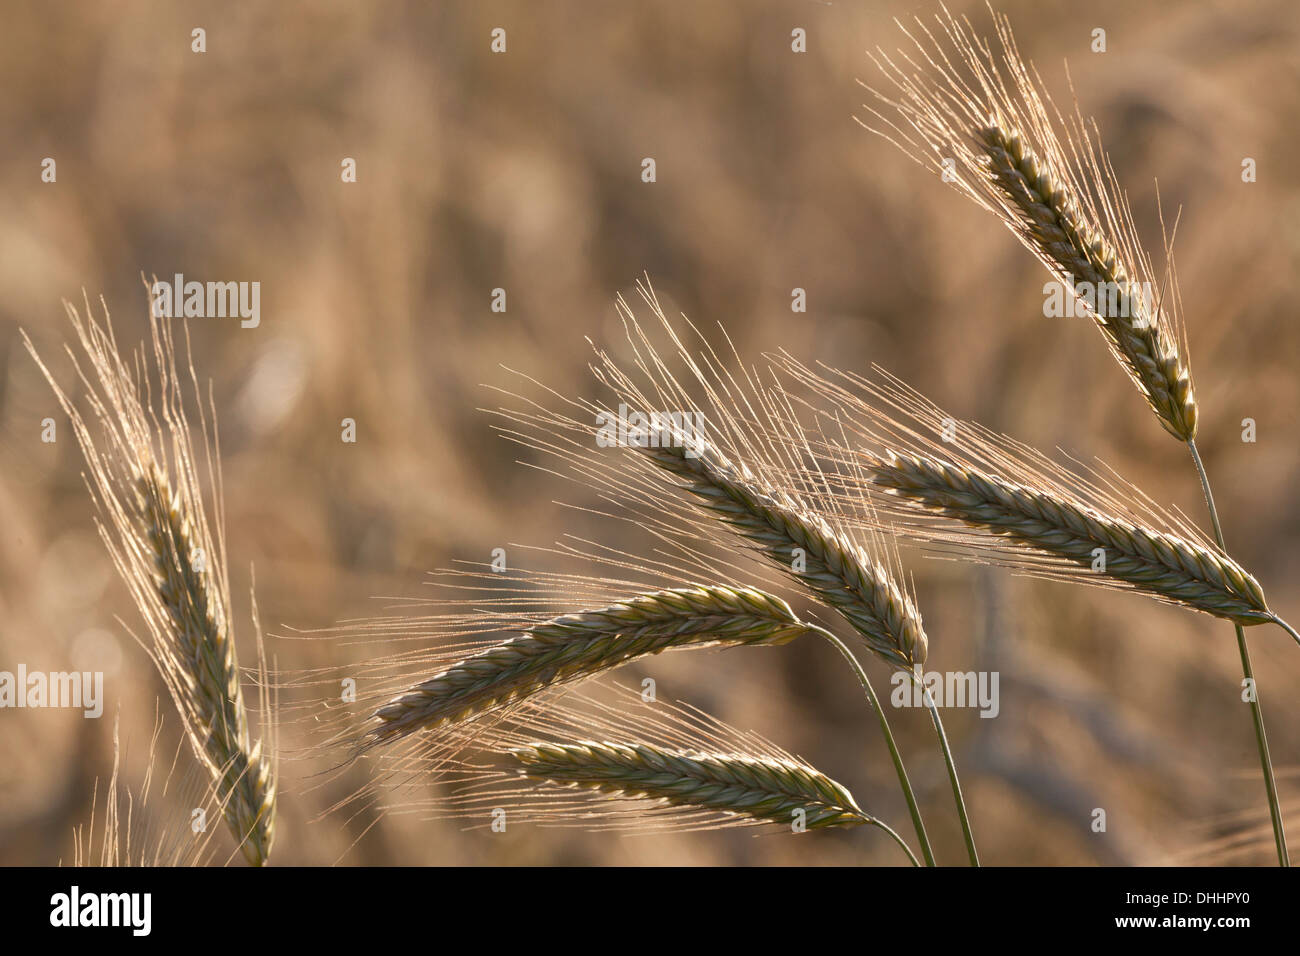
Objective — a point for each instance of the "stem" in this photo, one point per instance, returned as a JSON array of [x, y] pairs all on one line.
[[897, 839], [1257, 715], [1286, 627], [952, 774], [912, 808]]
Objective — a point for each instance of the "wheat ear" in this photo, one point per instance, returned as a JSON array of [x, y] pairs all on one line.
[[557, 761], [835, 568], [1134, 330], [1163, 565], [579, 645], [155, 527], [206, 667], [744, 785], [982, 120]]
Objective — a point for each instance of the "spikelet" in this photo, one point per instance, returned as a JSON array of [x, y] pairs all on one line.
[[955, 100], [144, 479]]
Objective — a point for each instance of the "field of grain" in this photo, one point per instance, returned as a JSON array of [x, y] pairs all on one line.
[[517, 177]]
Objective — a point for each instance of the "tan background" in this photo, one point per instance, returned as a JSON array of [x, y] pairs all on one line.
[[522, 171]]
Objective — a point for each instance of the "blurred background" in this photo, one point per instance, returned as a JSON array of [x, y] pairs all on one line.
[[522, 171]]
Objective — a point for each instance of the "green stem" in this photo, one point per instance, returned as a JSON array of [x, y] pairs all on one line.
[[897, 839], [1261, 739], [912, 808], [1286, 627], [952, 773]]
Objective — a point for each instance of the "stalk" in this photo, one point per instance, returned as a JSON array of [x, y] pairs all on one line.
[[899, 769], [1286, 627], [952, 775], [899, 840], [1256, 713]]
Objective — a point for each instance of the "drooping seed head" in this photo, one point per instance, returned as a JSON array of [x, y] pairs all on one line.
[[1164, 565], [1133, 324], [982, 121], [758, 788], [203, 662], [602, 757], [834, 567], [580, 645], [143, 472]]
